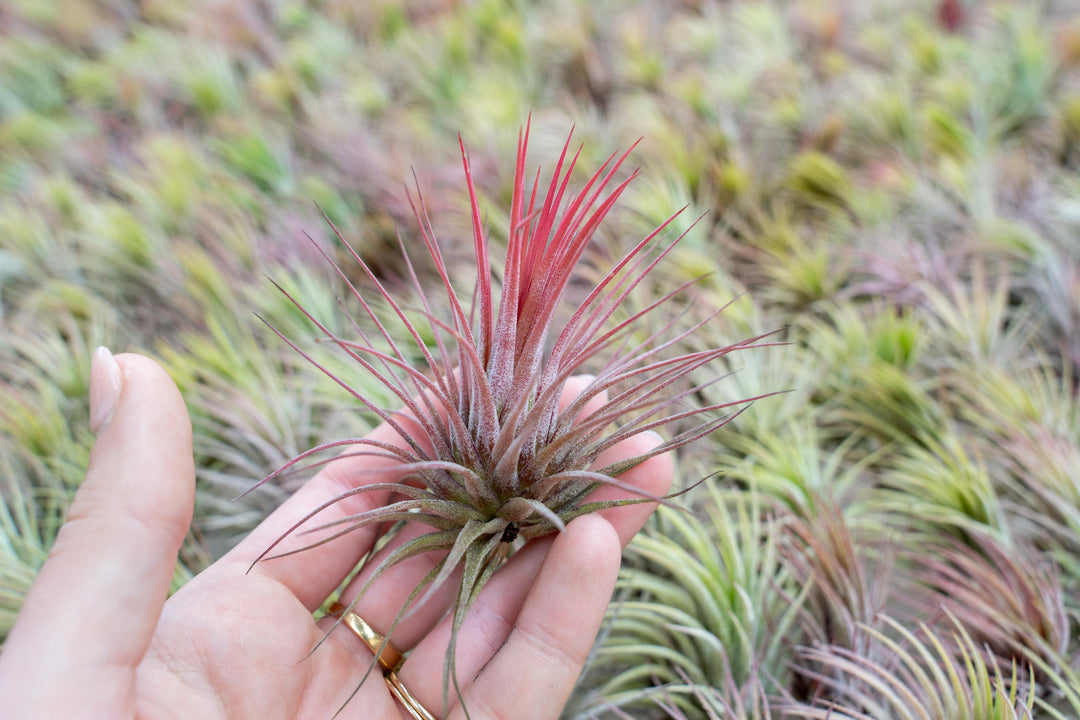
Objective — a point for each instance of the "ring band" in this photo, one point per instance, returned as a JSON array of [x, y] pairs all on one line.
[[390, 658], [406, 698]]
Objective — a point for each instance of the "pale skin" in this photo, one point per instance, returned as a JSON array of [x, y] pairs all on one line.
[[97, 639]]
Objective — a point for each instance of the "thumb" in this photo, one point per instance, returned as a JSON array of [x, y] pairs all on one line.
[[89, 616]]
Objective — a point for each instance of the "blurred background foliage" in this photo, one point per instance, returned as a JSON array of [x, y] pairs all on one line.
[[893, 184]]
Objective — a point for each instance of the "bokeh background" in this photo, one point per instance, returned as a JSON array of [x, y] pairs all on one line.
[[891, 184]]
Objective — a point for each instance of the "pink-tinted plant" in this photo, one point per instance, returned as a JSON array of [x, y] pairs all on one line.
[[490, 455]]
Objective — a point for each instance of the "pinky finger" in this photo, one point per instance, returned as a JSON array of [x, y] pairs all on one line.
[[533, 673]]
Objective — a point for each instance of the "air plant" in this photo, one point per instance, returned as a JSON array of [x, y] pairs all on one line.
[[1006, 595], [849, 586], [916, 675], [32, 506], [710, 606], [715, 703], [488, 457]]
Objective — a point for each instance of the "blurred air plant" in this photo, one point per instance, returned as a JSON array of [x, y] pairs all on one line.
[[937, 486], [1008, 598], [487, 455], [1026, 418], [849, 588], [750, 702], [31, 510], [916, 675], [710, 606], [793, 464], [980, 319]]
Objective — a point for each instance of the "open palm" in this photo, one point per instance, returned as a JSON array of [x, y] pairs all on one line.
[[97, 639]]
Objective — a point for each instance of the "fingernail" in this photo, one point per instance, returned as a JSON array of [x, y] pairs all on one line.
[[656, 437], [105, 384]]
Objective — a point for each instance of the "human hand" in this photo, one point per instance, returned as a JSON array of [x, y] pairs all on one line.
[[96, 637]]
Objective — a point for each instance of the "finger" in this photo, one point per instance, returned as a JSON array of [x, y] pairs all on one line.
[[92, 610], [652, 477], [485, 629], [533, 673], [382, 604]]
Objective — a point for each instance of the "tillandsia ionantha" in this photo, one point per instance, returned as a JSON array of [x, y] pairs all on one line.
[[489, 458]]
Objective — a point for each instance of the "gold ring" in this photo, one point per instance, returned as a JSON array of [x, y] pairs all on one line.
[[406, 698], [390, 658]]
